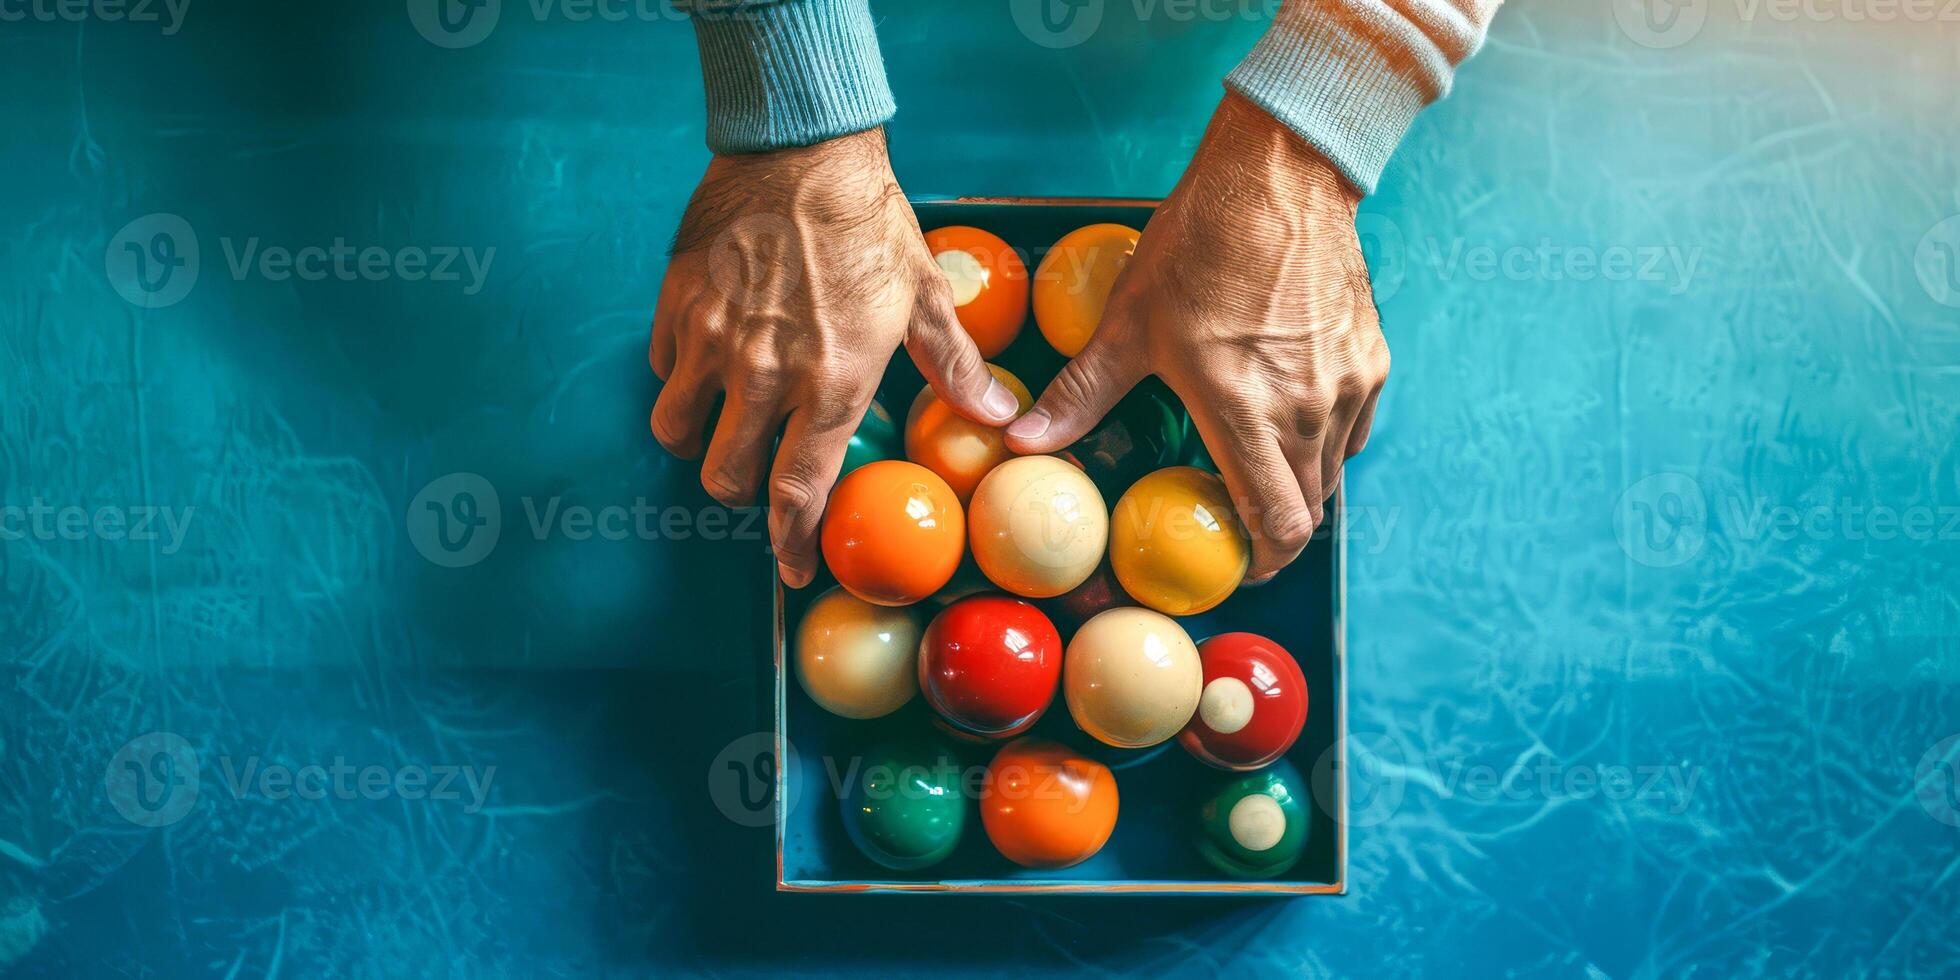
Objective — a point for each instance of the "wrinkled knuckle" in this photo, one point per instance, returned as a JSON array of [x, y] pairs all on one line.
[[1352, 386], [837, 408], [1289, 529], [1076, 385], [792, 493], [1316, 407], [758, 378]]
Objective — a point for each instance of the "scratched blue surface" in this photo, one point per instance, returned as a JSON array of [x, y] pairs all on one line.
[[1654, 629]]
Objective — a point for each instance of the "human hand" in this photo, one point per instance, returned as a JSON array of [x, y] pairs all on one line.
[[794, 277], [1249, 297]]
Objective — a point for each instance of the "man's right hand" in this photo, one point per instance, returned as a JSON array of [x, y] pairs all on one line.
[[794, 277]]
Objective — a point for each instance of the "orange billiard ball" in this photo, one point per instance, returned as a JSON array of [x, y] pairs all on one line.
[[990, 284], [957, 448], [1073, 282], [1176, 542], [1047, 806], [893, 532]]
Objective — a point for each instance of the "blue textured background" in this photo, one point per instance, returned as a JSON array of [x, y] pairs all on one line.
[[1618, 522]]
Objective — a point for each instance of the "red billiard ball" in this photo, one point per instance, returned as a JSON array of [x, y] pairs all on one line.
[[1098, 592], [1254, 703], [990, 665]]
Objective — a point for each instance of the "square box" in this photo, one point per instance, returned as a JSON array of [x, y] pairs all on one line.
[[1152, 850]]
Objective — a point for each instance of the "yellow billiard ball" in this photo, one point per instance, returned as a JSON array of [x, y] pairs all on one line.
[[1073, 281], [1175, 542]]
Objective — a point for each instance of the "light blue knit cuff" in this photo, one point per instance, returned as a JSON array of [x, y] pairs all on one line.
[[1324, 71], [788, 73]]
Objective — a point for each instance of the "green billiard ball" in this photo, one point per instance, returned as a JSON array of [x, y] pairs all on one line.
[[1140, 435], [1256, 826], [876, 438], [904, 808]]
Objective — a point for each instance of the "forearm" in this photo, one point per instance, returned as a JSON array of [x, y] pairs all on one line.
[[783, 73], [1350, 75]]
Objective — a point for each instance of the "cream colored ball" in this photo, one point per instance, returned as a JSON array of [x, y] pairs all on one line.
[[1132, 677], [1037, 526], [856, 659]]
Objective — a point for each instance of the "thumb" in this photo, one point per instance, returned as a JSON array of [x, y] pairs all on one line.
[[1088, 387], [952, 365]]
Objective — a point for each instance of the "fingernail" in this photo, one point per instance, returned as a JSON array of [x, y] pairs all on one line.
[[1000, 403], [1029, 426]]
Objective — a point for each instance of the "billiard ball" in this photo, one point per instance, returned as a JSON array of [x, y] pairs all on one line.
[[893, 532], [856, 659], [1132, 677], [989, 281], [1176, 542], [989, 665], [1256, 826], [876, 438], [1073, 282], [1098, 592], [1037, 526], [957, 448], [1142, 433], [1047, 806], [1253, 706], [905, 808]]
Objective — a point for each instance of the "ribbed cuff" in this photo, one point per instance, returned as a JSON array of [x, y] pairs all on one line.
[[1327, 71], [789, 73]]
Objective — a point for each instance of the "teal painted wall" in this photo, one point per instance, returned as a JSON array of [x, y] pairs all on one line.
[[1664, 482]]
